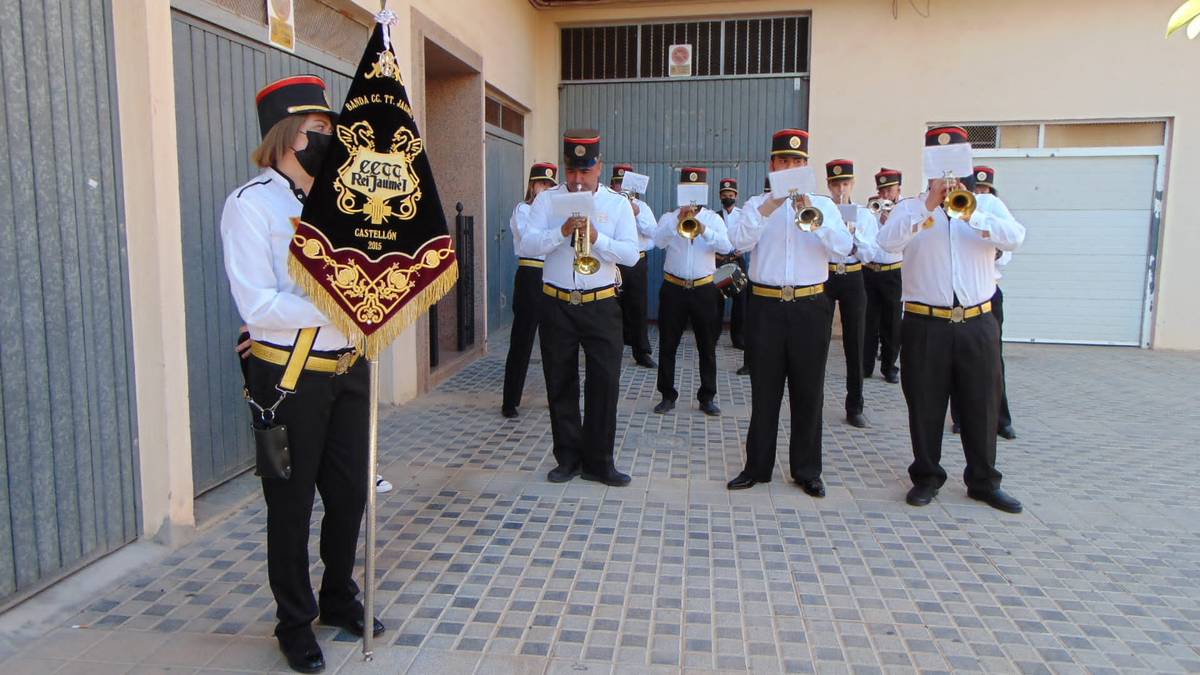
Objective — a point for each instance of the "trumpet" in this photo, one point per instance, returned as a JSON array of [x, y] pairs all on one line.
[[877, 205], [689, 228], [808, 218], [585, 262], [958, 203]]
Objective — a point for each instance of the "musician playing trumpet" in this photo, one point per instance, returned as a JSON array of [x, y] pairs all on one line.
[[691, 235], [788, 317], [950, 337], [579, 309], [845, 287], [881, 277]]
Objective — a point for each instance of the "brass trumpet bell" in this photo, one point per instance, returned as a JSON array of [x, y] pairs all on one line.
[[585, 262], [960, 204], [809, 218], [689, 228]]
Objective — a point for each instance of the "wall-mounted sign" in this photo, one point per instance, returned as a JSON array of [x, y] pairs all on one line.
[[679, 61], [281, 21]]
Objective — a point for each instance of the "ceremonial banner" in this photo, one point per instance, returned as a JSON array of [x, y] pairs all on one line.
[[371, 246]]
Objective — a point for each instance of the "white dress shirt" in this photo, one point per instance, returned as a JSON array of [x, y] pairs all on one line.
[[953, 258], [865, 230], [646, 224], [785, 255], [256, 231], [881, 256], [517, 224], [1002, 261], [616, 240], [696, 258]]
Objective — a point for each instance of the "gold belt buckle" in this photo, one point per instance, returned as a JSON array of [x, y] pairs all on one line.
[[344, 361], [841, 268], [957, 315], [576, 298], [787, 293], [689, 284]]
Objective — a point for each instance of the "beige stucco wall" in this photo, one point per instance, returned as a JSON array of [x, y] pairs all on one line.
[[876, 81]]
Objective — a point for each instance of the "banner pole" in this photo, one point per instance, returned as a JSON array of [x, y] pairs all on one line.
[[369, 560]]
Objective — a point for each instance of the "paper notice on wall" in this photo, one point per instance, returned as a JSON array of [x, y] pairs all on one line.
[[281, 20]]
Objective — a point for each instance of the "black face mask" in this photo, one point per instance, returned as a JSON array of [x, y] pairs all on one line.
[[727, 202], [310, 157]]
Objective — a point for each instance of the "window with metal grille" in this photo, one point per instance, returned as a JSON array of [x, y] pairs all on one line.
[[735, 47]]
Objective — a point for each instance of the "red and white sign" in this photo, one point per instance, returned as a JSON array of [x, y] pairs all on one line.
[[679, 61]]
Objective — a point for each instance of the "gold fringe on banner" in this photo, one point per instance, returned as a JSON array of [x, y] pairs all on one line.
[[372, 345]]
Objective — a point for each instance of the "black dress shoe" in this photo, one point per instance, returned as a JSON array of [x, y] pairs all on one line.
[[857, 420], [997, 499], [954, 428], [353, 626], [302, 653], [612, 478], [813, 487], [645, 361], [1007, 433], [306, 662], [892, 377], [709, 408], [562, 474], [741, 482], [664, 406], [744, 370], [509, 412], [921, 495]]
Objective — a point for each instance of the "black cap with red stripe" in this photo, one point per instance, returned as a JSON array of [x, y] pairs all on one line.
[[581, 148], [296, 95], [945, 136], [692, 175], [839, 169], [729, 184], [887, 178], [985, 176], [544, 171], [790, 142], [619, 172]]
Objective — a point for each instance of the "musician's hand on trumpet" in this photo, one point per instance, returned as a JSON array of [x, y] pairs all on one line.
[[938, 190], [688, 224], [576, 224]]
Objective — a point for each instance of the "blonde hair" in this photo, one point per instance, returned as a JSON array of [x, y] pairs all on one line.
[[278, 141]]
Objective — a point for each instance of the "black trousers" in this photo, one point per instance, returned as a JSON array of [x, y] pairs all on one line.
[[585, 442], [737, 314], [790, 342], [942, 362], [676, 306], [326, 421], [848, 292], [882, 325], [634, 285], [527, 289], [1004, 418]]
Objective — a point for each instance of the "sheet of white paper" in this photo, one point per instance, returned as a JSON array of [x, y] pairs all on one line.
[[569, 204], [691, 195], [849, 213], [800, 180], [956, 158], [635, 182]]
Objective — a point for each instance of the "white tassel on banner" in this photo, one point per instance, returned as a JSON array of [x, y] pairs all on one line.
[[387, 17]]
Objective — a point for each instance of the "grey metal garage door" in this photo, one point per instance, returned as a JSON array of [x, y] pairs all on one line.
[[1057, 288], [216, 76], [659, 126], [67, 427]]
